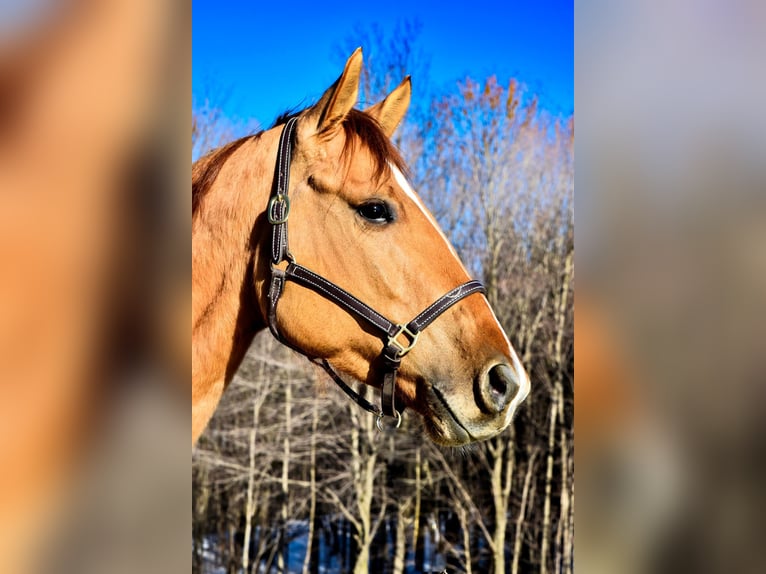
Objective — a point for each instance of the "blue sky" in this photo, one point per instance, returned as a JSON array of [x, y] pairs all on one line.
[[255, 59]]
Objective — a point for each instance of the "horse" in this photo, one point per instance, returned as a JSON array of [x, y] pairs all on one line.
[[362, 247]]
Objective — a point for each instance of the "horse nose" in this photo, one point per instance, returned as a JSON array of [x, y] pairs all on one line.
[[498, 388]]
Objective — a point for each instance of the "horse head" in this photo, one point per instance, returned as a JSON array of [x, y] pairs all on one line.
[[355, 221]]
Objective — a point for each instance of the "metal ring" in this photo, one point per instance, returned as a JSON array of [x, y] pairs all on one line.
[[397, 417], [401, 349], [270, 215]]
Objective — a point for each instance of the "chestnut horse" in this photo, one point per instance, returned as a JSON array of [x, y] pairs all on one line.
[[367, 249]]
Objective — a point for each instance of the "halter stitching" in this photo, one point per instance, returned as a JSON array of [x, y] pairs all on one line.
[[374, 319]]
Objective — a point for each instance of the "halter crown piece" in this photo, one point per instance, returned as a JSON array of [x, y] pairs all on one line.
[[398, 338]]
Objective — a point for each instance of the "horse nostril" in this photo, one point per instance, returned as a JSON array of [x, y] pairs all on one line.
[[498, 388], [498, 384]]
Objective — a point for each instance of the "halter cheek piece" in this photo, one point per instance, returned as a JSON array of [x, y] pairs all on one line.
[[398, 338]]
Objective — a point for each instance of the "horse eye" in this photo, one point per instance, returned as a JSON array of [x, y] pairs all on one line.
[[375, 211]]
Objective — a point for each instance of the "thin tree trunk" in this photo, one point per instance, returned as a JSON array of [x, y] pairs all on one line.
[[569, 544], [561, 316], [312, 488], [500, 490], [566, 500], [364, 514], [563, 534], [365, 493], [418, 487], [400, 546], [249, 506], [282, 551], [363, 460], [270, 559], [250, 499], [546, 541], [522, 514], [362, 562], [231, 561], [467, 555], [416, 534]]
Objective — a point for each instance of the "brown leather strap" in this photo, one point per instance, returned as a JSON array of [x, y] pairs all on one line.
[[340, 297], [358, 399], [275, 292], [391, 360], [392, 352], [278, 209], [426, 317], [346, 300]]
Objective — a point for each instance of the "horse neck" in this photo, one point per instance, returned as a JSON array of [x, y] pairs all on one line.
[[228, 261]]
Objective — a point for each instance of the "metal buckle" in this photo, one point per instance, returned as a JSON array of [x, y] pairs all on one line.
[[403, 349], [279, 198], [383, 428]]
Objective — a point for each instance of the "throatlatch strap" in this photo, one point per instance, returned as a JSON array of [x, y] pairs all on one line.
[[358, 399]]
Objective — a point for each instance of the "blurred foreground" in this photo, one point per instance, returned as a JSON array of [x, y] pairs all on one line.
[[670, 332], [94, 275]]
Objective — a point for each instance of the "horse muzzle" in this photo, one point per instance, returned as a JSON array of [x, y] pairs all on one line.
[[455, 414]]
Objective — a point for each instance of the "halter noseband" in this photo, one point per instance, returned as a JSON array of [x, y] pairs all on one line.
[[398, 338]]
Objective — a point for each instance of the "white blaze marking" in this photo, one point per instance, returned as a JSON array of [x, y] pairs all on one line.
[[518, 367], [405, 185]]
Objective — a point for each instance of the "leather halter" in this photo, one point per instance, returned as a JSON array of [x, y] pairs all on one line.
[[398, 338]]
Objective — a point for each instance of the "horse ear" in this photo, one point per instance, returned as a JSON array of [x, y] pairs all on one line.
[[391, 110], [339, 98]]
